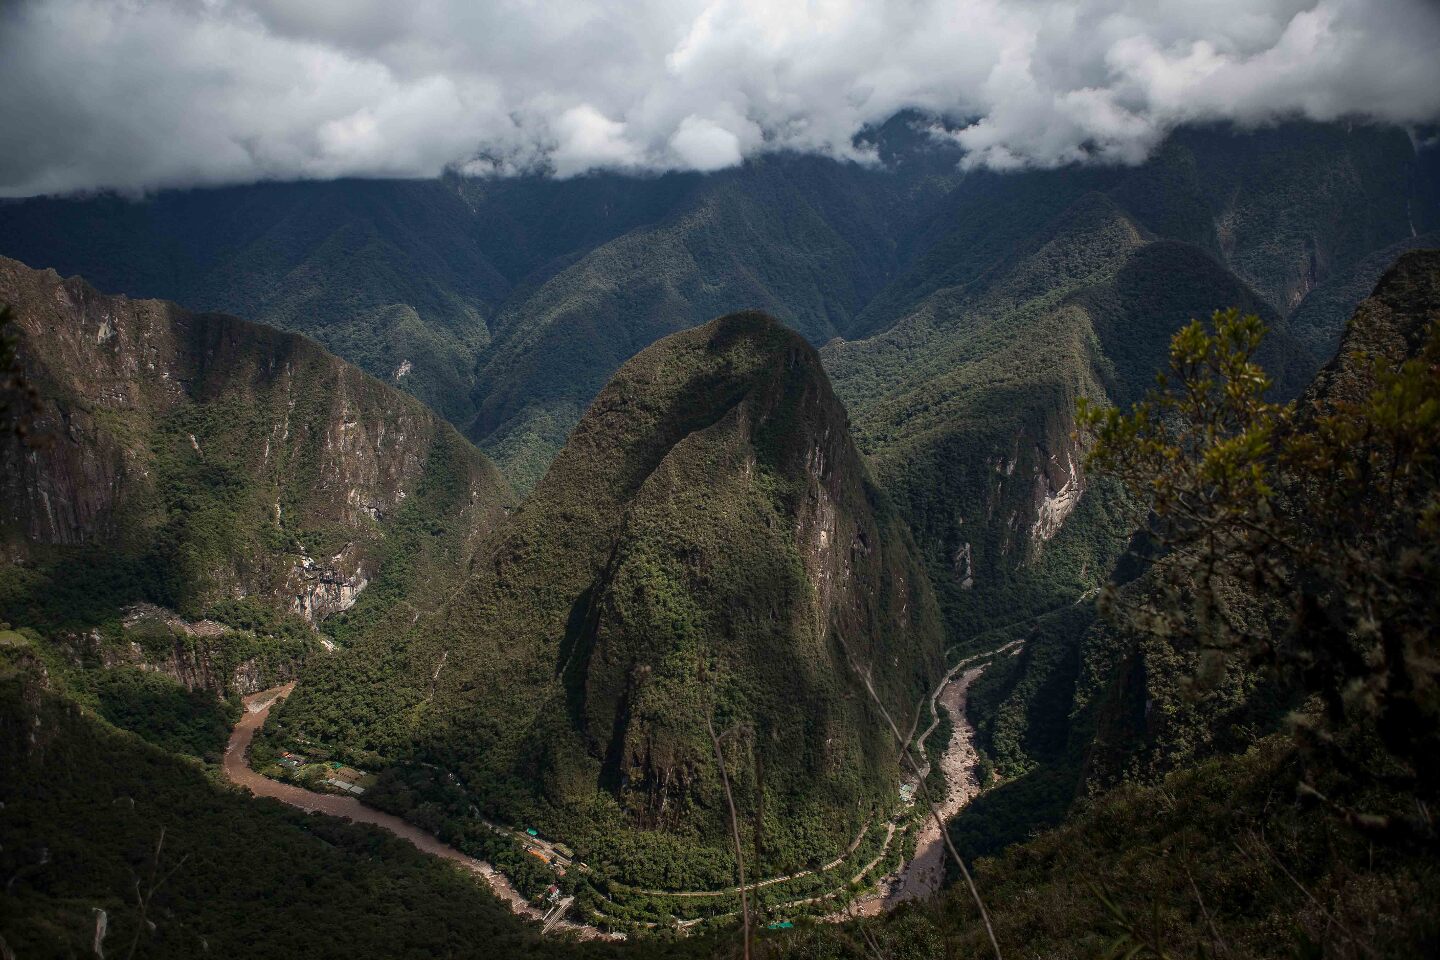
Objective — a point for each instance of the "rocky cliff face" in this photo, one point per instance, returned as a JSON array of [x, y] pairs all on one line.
[[230, 459]]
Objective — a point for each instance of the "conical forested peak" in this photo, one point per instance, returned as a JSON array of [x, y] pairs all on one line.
[[708, 548]]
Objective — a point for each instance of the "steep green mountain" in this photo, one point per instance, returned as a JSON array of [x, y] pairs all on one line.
[[1091, 704], [973, 308], [707, 549], [1199, 818], [965, 406], [219, 468], [1034, 290]]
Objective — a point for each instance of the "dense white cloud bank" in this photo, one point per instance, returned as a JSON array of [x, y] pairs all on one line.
[[133, 95]]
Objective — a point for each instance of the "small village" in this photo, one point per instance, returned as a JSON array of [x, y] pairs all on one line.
[[330, 775]]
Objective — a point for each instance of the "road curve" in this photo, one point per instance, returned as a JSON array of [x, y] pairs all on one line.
[[237, 769]]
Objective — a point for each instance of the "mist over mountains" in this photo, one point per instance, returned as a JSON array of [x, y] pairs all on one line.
[[174, 94], [719, 480]]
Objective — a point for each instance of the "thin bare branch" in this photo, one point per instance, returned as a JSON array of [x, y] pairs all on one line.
[[734, 830], [924, 793]]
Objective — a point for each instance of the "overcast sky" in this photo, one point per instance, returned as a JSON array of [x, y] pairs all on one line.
[[139, 94]]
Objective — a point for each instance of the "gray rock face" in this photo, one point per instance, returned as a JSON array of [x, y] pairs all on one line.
[[323, 588], [240, 461]]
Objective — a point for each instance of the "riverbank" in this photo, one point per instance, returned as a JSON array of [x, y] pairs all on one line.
[[923, 874], [237, 770]]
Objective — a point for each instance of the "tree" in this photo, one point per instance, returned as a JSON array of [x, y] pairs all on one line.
[[1301, 538]]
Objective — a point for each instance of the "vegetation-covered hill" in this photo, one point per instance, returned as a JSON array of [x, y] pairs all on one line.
[[1241, 751], [379, 272], [708, 549], [94, 819], [1034, 290], [1109, 704], [219, 468]]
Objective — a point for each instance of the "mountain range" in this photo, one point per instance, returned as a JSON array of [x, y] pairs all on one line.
[[959, 313], [647, 514]]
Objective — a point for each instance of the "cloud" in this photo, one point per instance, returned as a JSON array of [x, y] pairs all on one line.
[[140, 94], [703, 144]]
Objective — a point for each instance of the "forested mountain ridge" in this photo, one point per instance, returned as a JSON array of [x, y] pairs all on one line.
[[966, 405], [506, 303], [1234, 762], [964, 312], [707, 549], [1090, 704], [219, 468], [428, 284]]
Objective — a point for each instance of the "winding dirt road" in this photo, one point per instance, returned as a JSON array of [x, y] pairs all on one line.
[[237, 770], [919, 878]]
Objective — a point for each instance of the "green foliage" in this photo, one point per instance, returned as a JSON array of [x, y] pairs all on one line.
[[85, 804], [426, 545], [19, 401], [161, 711], [75, 589], [1304, 540], [1211, 861], [253, 616]]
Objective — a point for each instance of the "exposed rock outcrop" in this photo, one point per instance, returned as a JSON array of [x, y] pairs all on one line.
[[230, 459]]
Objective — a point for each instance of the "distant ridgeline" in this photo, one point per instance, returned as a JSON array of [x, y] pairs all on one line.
[[972, 309], [707, 552]]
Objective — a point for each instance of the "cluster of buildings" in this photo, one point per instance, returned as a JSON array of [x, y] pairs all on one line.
[[337, 775]]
